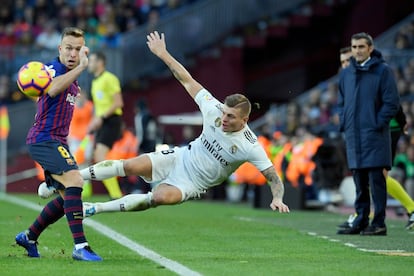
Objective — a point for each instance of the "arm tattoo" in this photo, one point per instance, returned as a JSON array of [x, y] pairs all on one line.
[[176, 75], [274, 182], [174, 71]]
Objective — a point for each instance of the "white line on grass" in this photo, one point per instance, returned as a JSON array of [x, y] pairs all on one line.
[[314, 234], [141, 250], [117, 237]]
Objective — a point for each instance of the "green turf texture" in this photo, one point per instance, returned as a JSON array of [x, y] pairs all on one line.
[[211, 238]]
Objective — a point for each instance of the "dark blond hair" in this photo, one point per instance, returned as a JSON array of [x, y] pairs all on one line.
[[240, 102], [72, 31]]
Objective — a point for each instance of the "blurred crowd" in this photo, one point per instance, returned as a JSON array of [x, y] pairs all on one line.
[[404, 39], [25, 24], [39, 22]]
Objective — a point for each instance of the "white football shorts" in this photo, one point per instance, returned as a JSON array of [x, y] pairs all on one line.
[[168, 168]]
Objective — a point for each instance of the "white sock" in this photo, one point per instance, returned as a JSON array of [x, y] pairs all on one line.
[[131, 202], [103, 170], [81, 245]]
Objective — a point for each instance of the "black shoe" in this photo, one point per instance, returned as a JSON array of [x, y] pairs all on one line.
[[344, 225], [374, 231], [349, 231]]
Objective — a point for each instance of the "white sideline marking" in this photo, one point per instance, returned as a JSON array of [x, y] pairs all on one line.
[[141, 250], [314, 234], [117, 237], [381, 250]]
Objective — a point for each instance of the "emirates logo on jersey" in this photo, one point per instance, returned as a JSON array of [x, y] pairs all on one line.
[[233, 149], [217, 122], [215, 149]]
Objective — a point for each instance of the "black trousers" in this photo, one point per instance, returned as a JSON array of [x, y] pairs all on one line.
[[365, 180]]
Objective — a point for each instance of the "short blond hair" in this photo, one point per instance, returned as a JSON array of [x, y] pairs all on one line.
[[72, 31], [240, 102]]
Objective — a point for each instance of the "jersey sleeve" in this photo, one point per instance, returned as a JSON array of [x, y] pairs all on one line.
[[206, 101], [258, 158]]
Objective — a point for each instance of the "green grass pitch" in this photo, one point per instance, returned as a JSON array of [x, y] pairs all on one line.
[[209, 238]]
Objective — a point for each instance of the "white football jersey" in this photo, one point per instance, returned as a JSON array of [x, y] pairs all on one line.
[[215, 154]]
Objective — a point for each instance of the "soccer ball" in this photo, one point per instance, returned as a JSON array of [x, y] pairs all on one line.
[[33, 79]]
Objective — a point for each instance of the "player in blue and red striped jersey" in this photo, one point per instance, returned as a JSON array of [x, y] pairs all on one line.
[[47, 145]]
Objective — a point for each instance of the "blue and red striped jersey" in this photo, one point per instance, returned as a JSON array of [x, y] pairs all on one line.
[[54, 115]]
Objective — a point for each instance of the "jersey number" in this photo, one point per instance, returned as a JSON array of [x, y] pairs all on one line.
[[65, 154]]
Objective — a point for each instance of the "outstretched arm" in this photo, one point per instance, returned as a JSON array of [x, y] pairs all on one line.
[[156, 43], [277, 188]]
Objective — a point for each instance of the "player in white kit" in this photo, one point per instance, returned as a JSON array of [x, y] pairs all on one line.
[[180, 174]]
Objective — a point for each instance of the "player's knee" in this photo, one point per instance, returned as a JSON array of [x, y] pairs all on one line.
[[77, 182], [166, 196], [74, 181], [158, 198], [129, 167], [71, 179], [140, 166]]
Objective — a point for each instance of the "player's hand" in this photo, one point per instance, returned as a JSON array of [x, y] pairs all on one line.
[[277, 204], [156, 43], [83, 56]]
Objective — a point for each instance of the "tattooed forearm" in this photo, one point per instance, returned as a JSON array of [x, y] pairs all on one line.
[[274, 182], [177, 70]]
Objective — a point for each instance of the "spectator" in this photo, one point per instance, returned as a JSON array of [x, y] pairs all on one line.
[[143, 10], [301, 166], [145, 128], [65, 16], [146, 133], [112, 38], [404, 39], [153, 19], [4, 89], [49, 38], [402, 42], [7, 37], [126, 18]]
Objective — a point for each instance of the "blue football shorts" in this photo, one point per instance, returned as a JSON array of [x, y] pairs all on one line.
[[55, 158]]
